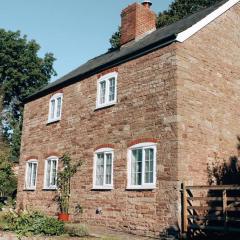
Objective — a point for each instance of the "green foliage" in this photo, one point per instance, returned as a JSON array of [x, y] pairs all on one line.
[[64, 181], [27, 224], [22, 72], [180, 9], [76, 230], [8, 180], [177, 10], [115, 39]]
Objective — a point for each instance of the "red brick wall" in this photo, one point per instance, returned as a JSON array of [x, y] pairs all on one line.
[[208, 86], [146, 102], [136, 20]]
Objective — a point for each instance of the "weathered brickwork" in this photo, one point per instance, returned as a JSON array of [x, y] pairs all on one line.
[[146, 98], [137, 20], [184, 97], [208, 84]]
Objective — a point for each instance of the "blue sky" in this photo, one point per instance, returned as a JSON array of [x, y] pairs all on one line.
[[73, 30]]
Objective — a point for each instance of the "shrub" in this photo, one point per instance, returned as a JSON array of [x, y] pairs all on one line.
[[51, 226], [26, 223], [76, 230], [8, 179]]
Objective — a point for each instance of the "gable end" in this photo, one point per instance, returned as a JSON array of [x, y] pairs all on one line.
[[181, 37]]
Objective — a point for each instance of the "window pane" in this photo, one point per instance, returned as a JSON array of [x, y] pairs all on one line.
[[52, 108], [54, 173], [149, 165], [99, 169], [111, 89], [102, 92], [34, 173], [108, 168], [59, 106], [48, 173], [29, 175], [136, 174]]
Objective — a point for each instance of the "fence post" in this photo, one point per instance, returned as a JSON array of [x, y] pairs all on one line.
[[185, 211], [224, 196]]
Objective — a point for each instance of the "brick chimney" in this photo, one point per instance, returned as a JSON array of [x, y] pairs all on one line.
[[137, 21]]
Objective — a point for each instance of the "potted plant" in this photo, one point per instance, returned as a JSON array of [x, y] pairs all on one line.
[[64, 185]]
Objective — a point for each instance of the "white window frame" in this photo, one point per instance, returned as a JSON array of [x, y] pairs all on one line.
[[55, 118], [52, 187], [143, 146], [26, 175], [106, 78], [104, 186]]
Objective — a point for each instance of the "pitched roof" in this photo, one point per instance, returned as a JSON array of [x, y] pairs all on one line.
[[157, 39]]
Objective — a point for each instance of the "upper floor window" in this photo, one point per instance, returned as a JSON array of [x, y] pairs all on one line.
[[55, 108], [107, 90], [50, 175], [31, 175], [103, 169], [142, 166]]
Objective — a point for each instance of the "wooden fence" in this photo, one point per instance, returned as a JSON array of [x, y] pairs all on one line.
[[210, 208]]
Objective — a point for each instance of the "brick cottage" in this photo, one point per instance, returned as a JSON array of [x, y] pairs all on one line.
[[143, 118]]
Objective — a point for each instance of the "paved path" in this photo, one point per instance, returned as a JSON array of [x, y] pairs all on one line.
[[102, 232]]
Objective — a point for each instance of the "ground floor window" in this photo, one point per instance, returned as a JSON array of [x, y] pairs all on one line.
[[31, 175], [103, 169], [142, 166], [50, 176]]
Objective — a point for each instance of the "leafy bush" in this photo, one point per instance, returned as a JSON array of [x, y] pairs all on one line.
[[26, 224], [75, 230], [8, 179]]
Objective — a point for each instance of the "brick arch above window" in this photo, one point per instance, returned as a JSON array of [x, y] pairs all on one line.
[[50, 154], [107, 72], [104, 146], [143, 140], [31, 158], [57, 92]]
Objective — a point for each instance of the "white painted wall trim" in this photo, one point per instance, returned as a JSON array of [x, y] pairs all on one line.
[[181, 37]]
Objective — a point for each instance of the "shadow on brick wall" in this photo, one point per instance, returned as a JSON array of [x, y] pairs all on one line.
[[223, 172]]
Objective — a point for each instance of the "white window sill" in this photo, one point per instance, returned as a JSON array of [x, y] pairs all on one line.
[[103, 188], [105, 105], [150, 187], [53, 120], [50, 189]]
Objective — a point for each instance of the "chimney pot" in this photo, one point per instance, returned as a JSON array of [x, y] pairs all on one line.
[[147, 4]]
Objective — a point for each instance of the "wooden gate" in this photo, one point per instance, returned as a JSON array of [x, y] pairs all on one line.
[[210, 208]]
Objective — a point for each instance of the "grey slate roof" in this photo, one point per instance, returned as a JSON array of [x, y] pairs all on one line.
[[157, 39]]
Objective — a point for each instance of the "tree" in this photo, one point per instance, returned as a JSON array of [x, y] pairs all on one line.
[[177, 10], [115, 39], [180, 9], [22, 72], [8, 179]]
